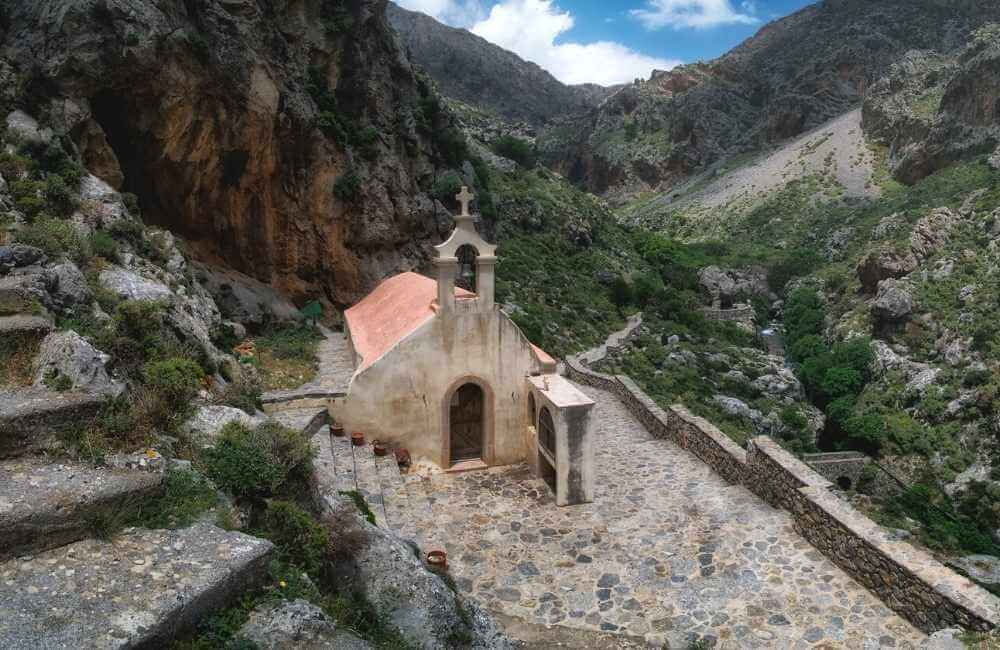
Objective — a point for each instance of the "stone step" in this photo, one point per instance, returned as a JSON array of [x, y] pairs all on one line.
[[343, 462], [32, 419], [25, 324], [369, 485], [45, 504], [397, 509], [142, 589], [308, 421], [426, 531]]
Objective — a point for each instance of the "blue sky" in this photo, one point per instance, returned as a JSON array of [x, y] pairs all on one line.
[[609, 41]]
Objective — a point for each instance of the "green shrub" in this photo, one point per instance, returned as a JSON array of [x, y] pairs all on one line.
[[186, 496], [520, 151], [366, 140], [54, 236], [243, 392], [360, 503], [261, 462], [291, 342], [60, 196], [446, 186], [102, 244], [347, 185], [299, 538], [176, 380], [330, 124]]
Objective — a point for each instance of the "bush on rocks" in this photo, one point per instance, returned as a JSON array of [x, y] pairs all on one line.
[[299, 538], [266, 461]]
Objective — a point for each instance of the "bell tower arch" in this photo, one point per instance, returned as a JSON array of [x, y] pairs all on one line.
[[467, 260]]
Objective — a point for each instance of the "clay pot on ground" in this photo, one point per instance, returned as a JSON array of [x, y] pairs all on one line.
[[357, 439], [337, 429], [402, 456], [380, 448], [437, 560]]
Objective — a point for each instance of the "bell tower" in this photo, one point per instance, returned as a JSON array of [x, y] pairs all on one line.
[[467, 261]]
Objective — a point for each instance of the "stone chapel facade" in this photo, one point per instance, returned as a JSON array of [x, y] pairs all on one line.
[[441, 371]]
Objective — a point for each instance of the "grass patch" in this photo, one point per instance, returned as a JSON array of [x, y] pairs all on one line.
[[360, 504], [187, 495], [287, 356], [17, 355]]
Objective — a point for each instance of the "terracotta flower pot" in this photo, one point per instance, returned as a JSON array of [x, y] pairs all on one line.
[[357, 439], [337, 429], [380, 448], [437, 559], [402, 456]]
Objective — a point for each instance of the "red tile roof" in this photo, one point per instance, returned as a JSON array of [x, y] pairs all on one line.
[[397, 307]]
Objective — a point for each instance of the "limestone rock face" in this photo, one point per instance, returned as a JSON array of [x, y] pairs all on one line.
[[17, 255], [208, 421], [68, 355], [469, 68], [296, 625], [893, 302], [219, 133], [130, 285], [933, 108], [882, 264], [733, 285]]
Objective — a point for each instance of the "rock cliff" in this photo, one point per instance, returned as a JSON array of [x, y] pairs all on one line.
[[932, 109], [290, 140], [473, 70], [792, 76]]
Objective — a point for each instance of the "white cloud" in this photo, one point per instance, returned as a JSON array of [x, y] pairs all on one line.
[[699, 14], [529, 28], [458, 13]]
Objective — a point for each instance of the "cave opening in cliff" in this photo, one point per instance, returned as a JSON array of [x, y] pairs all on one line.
[[117, 118]]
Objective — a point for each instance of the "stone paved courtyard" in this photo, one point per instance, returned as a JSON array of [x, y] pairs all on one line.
[[668, 551]]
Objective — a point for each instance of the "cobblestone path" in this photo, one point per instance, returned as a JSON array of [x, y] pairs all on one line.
[[668, 551]]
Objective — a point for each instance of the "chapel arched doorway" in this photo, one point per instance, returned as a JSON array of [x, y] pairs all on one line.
[[466, 423]]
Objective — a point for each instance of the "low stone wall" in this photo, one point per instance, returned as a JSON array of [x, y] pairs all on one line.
[[741, 314], [906, 579]]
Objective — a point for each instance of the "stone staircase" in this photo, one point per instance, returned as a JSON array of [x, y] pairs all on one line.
[[63, 587], [400, 502]]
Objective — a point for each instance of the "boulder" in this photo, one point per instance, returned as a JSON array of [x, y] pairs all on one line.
[[26, 293], [70, 288], [18, 255], [296, 625], [68, 355], [887, 226], [733, 285], [208, 421], [129, 285], [783, 383], [101, 205], [893, 302], [385, 569], [923, 380], [26, 128], [932, 232], [244, 299], [738, 408], [882, 264]]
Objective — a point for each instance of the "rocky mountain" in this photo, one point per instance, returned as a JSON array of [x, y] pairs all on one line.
[[473, 70], [792, 76], [292, 141], [933, 108]]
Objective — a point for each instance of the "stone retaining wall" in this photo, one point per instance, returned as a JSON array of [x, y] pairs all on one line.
[[906, 579]]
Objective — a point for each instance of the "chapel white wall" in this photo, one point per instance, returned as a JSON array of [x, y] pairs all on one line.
[[399, 398]]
